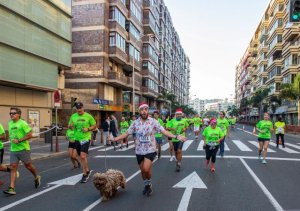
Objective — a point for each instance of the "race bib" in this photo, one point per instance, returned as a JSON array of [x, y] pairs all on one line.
[[145, 139], [280, 130]]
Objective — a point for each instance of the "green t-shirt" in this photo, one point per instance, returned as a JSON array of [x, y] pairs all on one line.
[[179, 125], [79, 122], [212, 135], [223, 124], [279, 126], [197, 121], [2, 132], [168, 125], [124, 127], [130, 122], [18, 130], [70, 135], [159, 135], [265, 129], [233, 121]]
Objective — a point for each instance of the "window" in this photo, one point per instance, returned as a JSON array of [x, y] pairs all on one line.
[[109, 92], [134, 31], [294, 59], [116, 15], [115, 39], [136, 11], [133, 52]]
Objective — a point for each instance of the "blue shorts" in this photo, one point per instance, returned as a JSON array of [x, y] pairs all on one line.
[[177, 145], [158, 140]]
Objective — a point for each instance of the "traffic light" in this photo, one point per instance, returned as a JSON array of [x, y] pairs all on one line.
[[294, 11], [73, 101]]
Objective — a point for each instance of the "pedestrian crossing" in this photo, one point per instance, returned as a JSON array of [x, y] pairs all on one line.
[[229, 145]]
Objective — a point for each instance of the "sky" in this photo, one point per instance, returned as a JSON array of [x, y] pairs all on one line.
[[215, 35]]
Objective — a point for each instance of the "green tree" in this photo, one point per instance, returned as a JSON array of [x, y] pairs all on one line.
[[257, 100]]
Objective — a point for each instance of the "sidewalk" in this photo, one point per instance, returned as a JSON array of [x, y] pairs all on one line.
[[40, 149]]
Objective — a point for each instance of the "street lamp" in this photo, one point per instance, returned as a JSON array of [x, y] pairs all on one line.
[[133, 85]]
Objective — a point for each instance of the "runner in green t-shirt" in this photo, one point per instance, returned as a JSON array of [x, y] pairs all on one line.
[[72, 149], [158, 136], [197, 124], [124, 127], [82, 123], [19, 134], [2, 137], [212, 136], [171, 147], [178, 126], [224, 125], [264, 128], [279, 131]]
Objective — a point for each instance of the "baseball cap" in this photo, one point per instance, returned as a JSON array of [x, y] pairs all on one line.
[[78, 105]]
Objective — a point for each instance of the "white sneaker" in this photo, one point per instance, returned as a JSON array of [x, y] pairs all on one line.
[[264, 161], [171, 159]]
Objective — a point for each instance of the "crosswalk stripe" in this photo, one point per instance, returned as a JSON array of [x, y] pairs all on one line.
[[288, 150], [256, 144], [186, 144], [226, 148], [165, 146], [242, 146], [292, 145], [110, 148], [125, 148], [200, 146]]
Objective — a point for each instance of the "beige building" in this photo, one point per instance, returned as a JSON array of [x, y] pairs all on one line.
[[35, 48], [272, 58]]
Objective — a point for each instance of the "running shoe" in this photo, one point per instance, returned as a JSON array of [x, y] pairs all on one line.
[[84, 179], [259, 157], [283, 146], [37, 181], [172, 158], [178, 168], [127, 145], [10, 191], [212, 168], [264, 161], [17, 174], [148, 190]]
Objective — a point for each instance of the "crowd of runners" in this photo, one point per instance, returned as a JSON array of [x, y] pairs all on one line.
[[148, 132]]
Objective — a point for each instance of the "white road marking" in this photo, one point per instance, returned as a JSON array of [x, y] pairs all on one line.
[[100, 200], [226, 147], [125, 148], [292, 145], [288, 150], [200, 146], [189, 183], [165, 146], [73, 180], [203, 156], [273, 201], [186, 144], [243, 147], [255, 143], [110, 148]]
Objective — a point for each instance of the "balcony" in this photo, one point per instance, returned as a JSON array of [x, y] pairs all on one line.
[[291, 33], [149, 92], [149, 23], [149, 74], [117, 55], [149, 39], [120, 5], [129, 65], [119, 80], [114, 26]]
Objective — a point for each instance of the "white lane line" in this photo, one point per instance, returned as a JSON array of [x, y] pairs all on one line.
[[186, 144], [288, 150], [203, 156], [165, 146], [100, 200], [292, 145], [255, 143], [110, 148], [226, 147], [243, 147], [273, 201], [200, 146]]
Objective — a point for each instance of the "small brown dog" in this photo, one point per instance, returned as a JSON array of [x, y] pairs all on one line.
[[107, 183]]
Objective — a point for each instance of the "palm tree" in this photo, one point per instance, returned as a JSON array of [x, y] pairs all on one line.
[[291, 92], [257, 100]]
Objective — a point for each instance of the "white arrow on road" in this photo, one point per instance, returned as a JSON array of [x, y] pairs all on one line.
[[67, 181], [190, 182]]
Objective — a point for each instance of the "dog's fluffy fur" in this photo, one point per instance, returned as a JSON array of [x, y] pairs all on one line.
[[107, 183]]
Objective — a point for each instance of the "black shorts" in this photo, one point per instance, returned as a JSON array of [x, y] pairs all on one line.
[[177, 145], [263, 139], [72, 145], [82, 146], [149, 156]]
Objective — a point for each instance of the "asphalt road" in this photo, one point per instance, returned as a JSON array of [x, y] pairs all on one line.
[[241, 181]]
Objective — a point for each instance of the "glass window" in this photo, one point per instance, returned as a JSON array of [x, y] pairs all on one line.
[[136, 11], [116, 15]]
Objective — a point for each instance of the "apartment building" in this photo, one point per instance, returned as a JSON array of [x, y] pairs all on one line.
[[35, 49], [272, 58], [121, 46]]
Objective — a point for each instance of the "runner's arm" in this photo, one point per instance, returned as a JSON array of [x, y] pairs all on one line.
[[120, 137], [3, 136], [170, 135], [25, 138]]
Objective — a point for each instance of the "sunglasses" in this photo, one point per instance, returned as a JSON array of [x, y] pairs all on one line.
[[12, 113]]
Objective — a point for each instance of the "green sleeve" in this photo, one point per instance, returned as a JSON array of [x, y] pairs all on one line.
[[92, 120], [2, 131], [258, 124], [204, 132], [71, 120], [26, 127], [221, 133]]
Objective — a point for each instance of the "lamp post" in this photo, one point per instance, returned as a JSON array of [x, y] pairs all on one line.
[[133, 85]]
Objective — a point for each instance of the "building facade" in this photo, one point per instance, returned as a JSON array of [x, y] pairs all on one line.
[[271, 59], [121, 49], [35, 49]]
